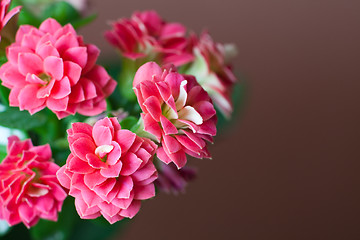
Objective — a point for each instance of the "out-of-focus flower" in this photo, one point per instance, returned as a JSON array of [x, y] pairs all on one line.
[[52, 67], [109, 170], [213, 71], [5, 14], [177, 111], [174, 180], [147, 35], [29, 189]]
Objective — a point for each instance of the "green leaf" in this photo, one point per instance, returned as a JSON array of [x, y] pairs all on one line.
[[62, 11], [13, 118], [3, 153], [129, 122], [83, 21]]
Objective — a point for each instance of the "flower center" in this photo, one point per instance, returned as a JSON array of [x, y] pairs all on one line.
[[45, 77], [102, 151]]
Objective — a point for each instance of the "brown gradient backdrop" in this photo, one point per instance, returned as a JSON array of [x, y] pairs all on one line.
[[289, 167]]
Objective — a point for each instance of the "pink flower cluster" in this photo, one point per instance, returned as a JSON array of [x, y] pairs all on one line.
[[52, 67], [147, 35], [109, 170], [177, 111], [5, 14], [29, 189]]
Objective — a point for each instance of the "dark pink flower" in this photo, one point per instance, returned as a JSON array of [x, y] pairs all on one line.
[[109, 170], [174, 180], [213, 71], [147, 35], [5, 14], [29, 189], [52, 67], [177, 111]]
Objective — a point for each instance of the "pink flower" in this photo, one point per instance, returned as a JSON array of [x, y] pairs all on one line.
[[177, 111], [52, 67], [213, 71], [109, 170], [5, 14], [174, 180], [29, 189], [146, 34]]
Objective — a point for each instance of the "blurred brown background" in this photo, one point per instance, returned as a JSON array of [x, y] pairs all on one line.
[[288, 167]]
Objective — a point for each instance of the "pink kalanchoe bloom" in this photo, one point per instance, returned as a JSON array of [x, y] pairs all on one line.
[[52, 67], [29, 189], [174, 180], [213, 71], [146, 34], [109, 170], [5, 14], [177, 111]]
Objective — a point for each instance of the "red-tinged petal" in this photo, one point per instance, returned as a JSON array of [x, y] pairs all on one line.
[[45, 91], [77, 55], [50, 26], [171, 144], [161, 154], [112, 171], [144, 192], [12, 53], [174, 81], [61, 89], [77, 165], [109, 209], [66, 42], [113, 219], [153, 107], [132, 210], [144, 173], [168, 126], [47, 49], [83, 146], [93, 53], [188, 143], [131, 163], [32, 78], [72, 71], [57, 104], [103, 189], [94, 179], [11, 77], [126, 187], [63, 178], [80, 127], [102, 135], [146, 72], [205, 109], [151, 125], [95, 161], [125, 138], [54, 66], [27, 100], [30, 63], [115, 154]]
